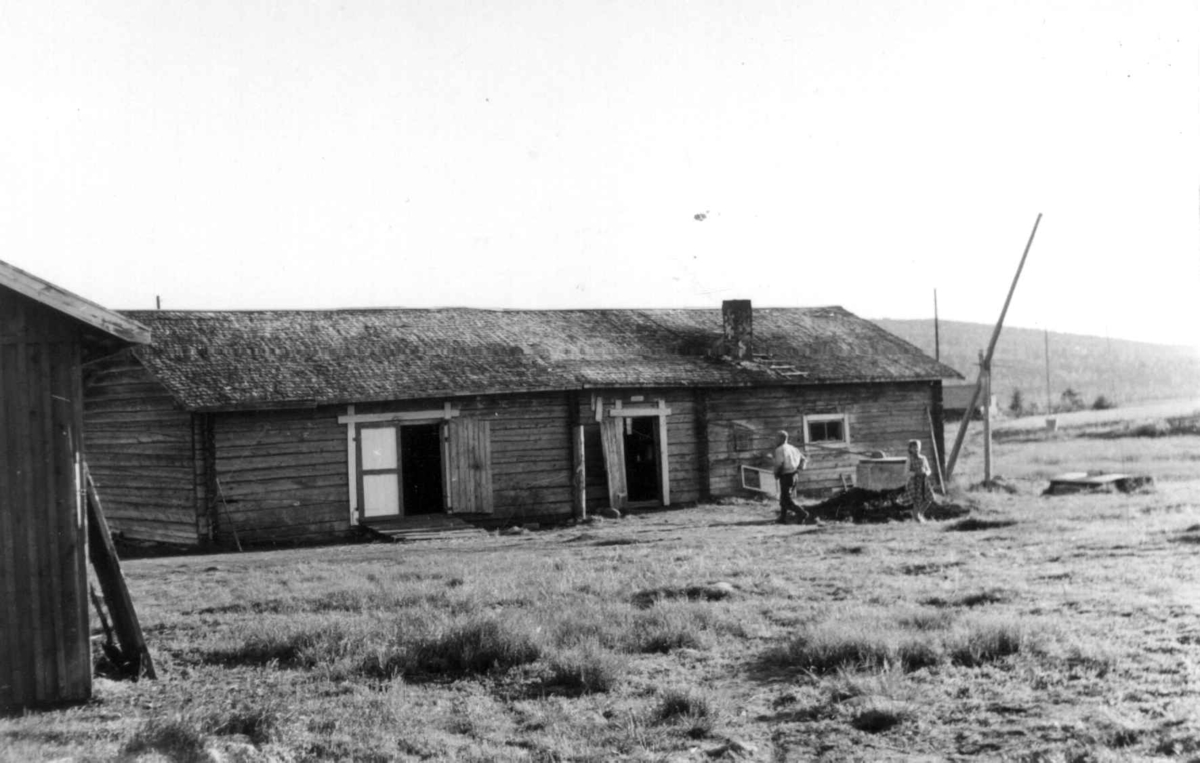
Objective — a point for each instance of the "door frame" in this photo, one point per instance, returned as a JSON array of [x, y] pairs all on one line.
[[661, 412], [351, 420], [398, 470]]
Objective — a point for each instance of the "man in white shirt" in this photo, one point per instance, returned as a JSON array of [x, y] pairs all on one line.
[[788, 461]]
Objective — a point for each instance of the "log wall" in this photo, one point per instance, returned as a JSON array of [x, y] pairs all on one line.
[[142, 451], [45, 655], [684, 444], [530, 448], [279, 476], [881, 416]]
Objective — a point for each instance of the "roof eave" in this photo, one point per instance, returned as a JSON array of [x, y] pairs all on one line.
[[73, 305]]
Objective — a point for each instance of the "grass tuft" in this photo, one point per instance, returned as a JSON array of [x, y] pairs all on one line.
[[476, 646], [177, 739], [689, 709], [586, 669], [983, 641], [664, 629], [260, 723], [880, 718]]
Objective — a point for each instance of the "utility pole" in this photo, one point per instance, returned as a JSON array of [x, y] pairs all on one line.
[[1048, 408], [985, 372], [962, 428], [937, 334]]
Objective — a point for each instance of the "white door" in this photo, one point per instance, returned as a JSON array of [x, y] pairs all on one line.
[[379, 470]]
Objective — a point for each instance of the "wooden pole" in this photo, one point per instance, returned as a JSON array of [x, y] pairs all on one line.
[[1049, 409], [987, 420], [936, 459], [937, 332], [962, 427], [580, 479], [112, 583], [228, 516]]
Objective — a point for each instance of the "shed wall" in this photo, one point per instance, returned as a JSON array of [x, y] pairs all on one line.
[[142, 454], [44, 648], [683, 447], [279, 476], [881, 416]]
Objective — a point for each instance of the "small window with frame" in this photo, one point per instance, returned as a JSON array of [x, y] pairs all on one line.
[[742, 437], [828, 429]]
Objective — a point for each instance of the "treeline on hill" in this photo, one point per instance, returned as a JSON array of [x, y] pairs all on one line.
[[1084, 370]]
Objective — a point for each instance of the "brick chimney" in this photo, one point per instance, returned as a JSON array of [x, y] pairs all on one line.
[[738, 321]]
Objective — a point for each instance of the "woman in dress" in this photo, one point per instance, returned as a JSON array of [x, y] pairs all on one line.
[[920, 494]]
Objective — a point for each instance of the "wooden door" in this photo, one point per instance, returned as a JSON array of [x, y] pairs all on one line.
[[379, 470], [469, 466], [612, 441]]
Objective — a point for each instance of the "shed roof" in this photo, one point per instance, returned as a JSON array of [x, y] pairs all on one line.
[[264, 359], [83, 310]]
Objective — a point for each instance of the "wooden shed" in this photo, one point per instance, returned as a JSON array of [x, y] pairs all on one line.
[[46, 335], [278, 426]]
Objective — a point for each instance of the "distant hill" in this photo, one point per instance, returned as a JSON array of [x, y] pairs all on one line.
[[1123, 371]]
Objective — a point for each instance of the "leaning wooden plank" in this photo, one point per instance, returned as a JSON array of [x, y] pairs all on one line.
[[112, 583]]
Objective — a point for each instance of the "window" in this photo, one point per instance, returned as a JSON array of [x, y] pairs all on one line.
[[827, 429], [743, 437]]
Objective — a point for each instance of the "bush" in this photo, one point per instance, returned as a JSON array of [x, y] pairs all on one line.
[[477, 646], [586, 669], [178, 739], [860, 643], [260, 723], [1102, 403], [665, 628], [689, 709], [984, 641]]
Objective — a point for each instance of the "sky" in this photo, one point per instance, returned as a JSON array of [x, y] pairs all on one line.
[[234, 154]]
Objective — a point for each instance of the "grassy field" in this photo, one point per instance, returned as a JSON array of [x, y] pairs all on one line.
[[1037, 629]]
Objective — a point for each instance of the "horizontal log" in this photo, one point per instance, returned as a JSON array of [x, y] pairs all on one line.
[[227, 464], [132, 494], [95, 406], [287, 532], [145, 479], [312, 497], [147, 418], [121, 435], [248, 489], [151, 513], [141, 532], [152, 454], [248, 516], [332, 447]]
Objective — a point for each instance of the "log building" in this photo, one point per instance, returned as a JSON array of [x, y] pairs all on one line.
[[280, 426], [47, 335]]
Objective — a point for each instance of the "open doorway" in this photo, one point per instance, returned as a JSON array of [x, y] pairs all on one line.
[[400, 470], [642, 472], [421, 467]]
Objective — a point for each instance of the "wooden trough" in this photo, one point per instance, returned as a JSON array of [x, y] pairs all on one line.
[[1085, 482]]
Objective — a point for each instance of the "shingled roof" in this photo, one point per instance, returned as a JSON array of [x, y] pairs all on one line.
[[266, 359]]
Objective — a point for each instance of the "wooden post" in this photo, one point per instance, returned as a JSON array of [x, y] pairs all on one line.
[[936, 458], [578, 457], [580, 481], [986, 372], [962, 428], [700, 401], [937, 333], [112, 583]]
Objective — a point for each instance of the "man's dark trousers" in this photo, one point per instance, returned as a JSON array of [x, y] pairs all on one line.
[[786, 504]]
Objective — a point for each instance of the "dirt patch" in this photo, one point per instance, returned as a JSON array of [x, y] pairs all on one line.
[[706, 592], [859, 505], [974, 524]]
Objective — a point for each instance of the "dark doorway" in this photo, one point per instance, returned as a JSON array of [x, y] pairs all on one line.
[[421, 467], [641, 459]]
